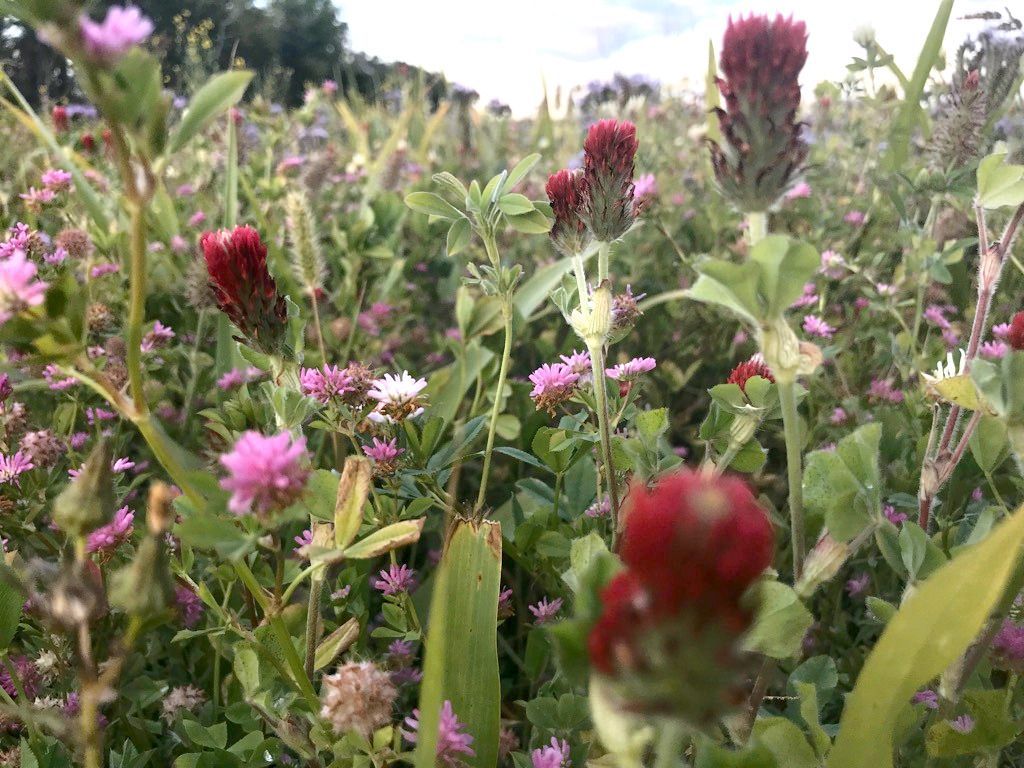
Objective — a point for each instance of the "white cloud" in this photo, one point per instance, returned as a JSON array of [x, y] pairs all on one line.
[[504, 50]]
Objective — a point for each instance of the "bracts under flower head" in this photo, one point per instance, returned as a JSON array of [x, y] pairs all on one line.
[[567, 191], [761, 150]]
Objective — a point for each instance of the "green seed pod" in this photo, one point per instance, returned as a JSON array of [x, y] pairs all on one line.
[[88, 501]]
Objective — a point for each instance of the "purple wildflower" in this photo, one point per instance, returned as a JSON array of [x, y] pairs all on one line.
[[553, 384], [856, 586], [816, 326], [18, 287], [453, 744], [927, 697], [395, 580], [894, 517], [114, 533], [27, 677], [884, 390], [190, 606], [544, 610], [962, 724], [554, 755], [325, 384], [156, 337], [632, 369], [11, 467]]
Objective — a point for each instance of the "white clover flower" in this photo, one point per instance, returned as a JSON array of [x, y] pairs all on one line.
[[397, 397]]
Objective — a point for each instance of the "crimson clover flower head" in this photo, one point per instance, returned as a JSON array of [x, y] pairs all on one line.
[[748, 369], [761, 151], [1015, 335], [236, 261], [567, 191], [609, 152], [693, 544]]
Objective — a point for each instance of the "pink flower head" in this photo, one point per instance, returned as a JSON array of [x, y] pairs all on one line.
[[27, 676], [18, 287], [894, 517], [58, 256], [395, 580], [51, 373], [545, 610], [265, 473], [632, 369], [838, 416], [37, 198], [857, 585], [329, 87], [189, 605], [56, 179], [808, 299], [114, 533], [383, 451], [884, 390], [645, 187], [1001, 331], [326, 383], [453, 744], [799, 191], [103, 269], [11, 467], [936, 315], [554, 755], [578, 362], [157, 337], [833, 265], [553, 384], [815, 326], [303, 540], [121, 30], [856, 218], [994, 350]]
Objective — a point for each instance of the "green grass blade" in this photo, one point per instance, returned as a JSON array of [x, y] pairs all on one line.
[[461, 663]]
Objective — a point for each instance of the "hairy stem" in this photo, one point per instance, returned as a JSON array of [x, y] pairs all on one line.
[[791, 430], [316, 588], [601, 397]]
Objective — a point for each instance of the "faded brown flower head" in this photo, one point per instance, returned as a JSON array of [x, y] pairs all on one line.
[[358, 697], [184, 698], [43, 447], [98, 317], [76, 242]]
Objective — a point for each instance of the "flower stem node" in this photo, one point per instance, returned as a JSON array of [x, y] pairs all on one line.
[[743, 427], [594, 325], [785, 354]]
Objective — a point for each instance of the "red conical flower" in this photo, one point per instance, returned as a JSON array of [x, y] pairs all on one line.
[[608, 154], [747, 370], [1015, 336], [762, 150], [567, 191], [59, 115], [670, 623], [237, 263]]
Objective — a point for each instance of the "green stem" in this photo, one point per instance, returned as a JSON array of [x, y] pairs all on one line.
[[757, 227], [601, 401], [506, 354], [603, 257], [291, 657], [669, 751], [581, 279], [137, 308], [791, 429], [316, 588]]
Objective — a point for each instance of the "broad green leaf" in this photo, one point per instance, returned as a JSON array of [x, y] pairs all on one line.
[[203, 530], [754, 755], [959, 390], [353, 491], [523, 167], [712, 97], [432, 205], [458, 236], [11, 601], [787, 742], [844, 485], [709, 291], [781, 622], [336, 643], [514, 204], [461, 664], [810, 712], [386, 539], [219, 93], [988, 443], [930, 631], [786, 266], [532, 223], [742, 281], [447, 386], [991, 731], [1000, 184]]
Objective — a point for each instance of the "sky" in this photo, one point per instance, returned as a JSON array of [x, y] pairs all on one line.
[[506, 50]]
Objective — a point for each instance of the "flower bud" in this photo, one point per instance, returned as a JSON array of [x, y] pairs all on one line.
[[822, 563], [236, 261], [567, 191], [144, 586], [761, 150], [609, 151], [88, 501]]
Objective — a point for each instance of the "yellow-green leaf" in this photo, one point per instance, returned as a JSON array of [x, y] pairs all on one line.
[[930, 631], [353, 491], [387, 538]]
